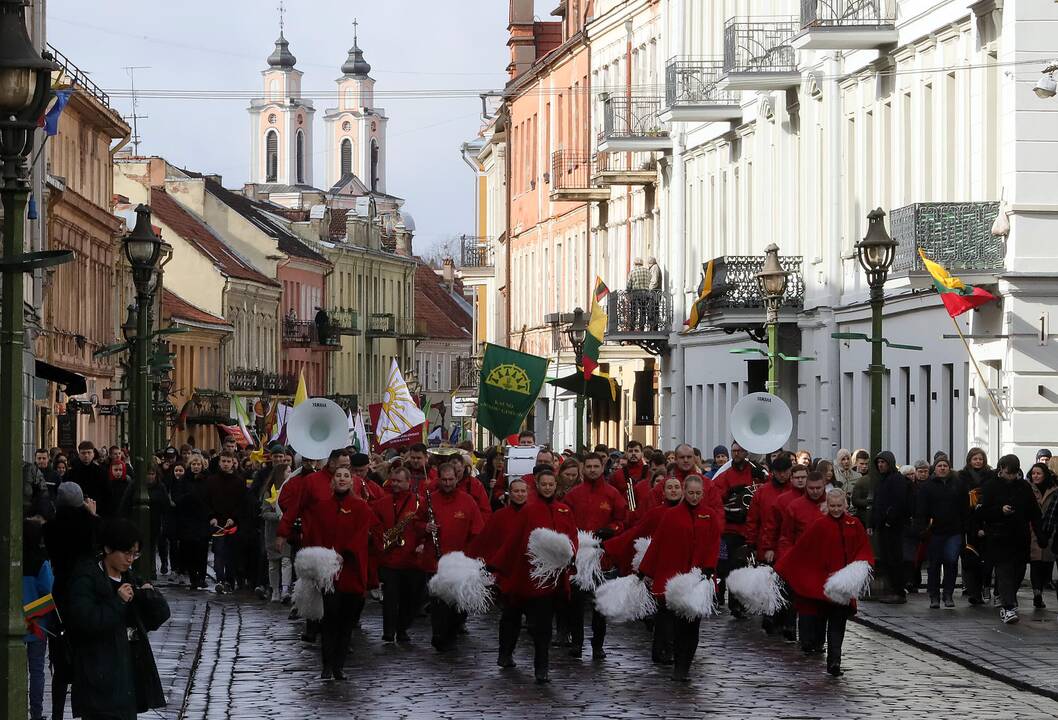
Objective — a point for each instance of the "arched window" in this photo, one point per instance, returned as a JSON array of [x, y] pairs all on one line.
[[347, 157], [300, 155], [374, 165], [272, 156]]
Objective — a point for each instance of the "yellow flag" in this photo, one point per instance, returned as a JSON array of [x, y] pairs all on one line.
[[302, 393]]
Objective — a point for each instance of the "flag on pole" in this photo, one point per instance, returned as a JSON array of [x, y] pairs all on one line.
[[593, 339], [279, 431], [357, 432], [302, 393], [957, 296], [399, 413], [705, 289], [510, 381], [457, 435], [51, 118], [242, 414]]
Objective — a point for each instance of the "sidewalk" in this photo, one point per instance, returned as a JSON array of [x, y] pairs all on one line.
[[1021, 655]]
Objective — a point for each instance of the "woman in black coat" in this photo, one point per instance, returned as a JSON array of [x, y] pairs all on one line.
[[108, 616], [976, 564], [192, 511]]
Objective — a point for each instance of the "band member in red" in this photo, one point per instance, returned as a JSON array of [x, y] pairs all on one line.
[[365, 488], [786, 619], [634, 469], [467, 483], [500, 528], [620, 549], [797, 516], [829, 545], [646, 488], [762, 507], [687, 537], [597, 508], [415, 460], [736, 487], [398, 563], [344, 523], [455, 523], [523, 595]]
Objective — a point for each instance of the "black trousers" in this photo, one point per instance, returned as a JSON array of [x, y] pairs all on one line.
[[539, 614], [61, 673], [339, 612], [1040, 572], [891, 547], [194, 554], [662, 649], [401, 589], [446, 621], [737, 556], [684, 644], [578, 599], [827, 626], [976, 572], [1009, 576]]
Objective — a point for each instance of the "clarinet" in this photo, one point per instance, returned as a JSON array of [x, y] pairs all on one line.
[[434, 534]]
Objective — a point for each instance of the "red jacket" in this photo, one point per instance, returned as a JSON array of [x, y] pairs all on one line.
[[302, 492], [459, 522], [597, 505], [621, 549], [345, 525], [619, 479], [771, 532], [728, 481], [827, 546], [512, 561], [799, 514], [686, 538], [760, 509], [645, 497], [390, 509], [471, 486]]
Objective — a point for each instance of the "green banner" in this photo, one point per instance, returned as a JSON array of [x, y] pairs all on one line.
[[510, 382]]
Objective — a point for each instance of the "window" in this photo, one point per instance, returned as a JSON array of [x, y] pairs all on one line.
[[271, 157], [300, 157], [347, 157], [374, 165]]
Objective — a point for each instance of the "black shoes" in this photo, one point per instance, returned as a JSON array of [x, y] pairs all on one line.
[[934, 602], [327, 674], [402, 637], [308, 637], [505, 661], [948, 601], [1038, 603], [597, 653], [542, 676], [835, 670], [387, 638], [339, 674], [575, 651]]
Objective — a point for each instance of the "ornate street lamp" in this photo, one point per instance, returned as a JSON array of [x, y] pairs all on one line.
[[875, 254], [143, 248], [772, 281], [25, 89], [576, 331]]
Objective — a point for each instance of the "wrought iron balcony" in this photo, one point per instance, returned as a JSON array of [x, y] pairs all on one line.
[[209, 407], [956, 235], [640, 317], [631, 124], [349, 403], [344, 321], [624, 168], [466, 373], [297, 333], [381, 325], [692, 93], [573, 177], [758, 55], [737, 303], [279, 383], [475, 252], [409, 328], [846, 24], [244, 380]]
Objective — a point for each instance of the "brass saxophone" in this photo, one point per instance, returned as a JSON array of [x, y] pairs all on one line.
[[394, 537]]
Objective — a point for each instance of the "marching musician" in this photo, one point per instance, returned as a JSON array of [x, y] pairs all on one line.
[[597, 508], [398, 563], [448, 520], [798, 515], [524, 595], [761, 509], [773, 527], [687, 537], [633, 471], [364, 487], [736, 487], [465, 481], [415, 460]]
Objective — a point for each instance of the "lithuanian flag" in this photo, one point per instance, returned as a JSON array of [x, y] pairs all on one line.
[[705, 289], [957, 296], [596, 329], [35, 611]]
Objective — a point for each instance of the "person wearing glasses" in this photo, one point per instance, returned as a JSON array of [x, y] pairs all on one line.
[[108, 615]]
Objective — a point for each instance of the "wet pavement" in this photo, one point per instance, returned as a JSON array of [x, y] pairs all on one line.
[[251, 664]]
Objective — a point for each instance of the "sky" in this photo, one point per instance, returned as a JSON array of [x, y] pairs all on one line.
[[412, 46]]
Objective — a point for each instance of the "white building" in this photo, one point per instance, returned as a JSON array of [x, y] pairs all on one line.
[[790, 121]]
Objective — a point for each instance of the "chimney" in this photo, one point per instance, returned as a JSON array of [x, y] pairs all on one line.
[[522, 40], [403, 243], [448, 273], [356, 229]]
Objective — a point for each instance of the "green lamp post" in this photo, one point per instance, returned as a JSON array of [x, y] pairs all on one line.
[[576, 332], [772, 281]]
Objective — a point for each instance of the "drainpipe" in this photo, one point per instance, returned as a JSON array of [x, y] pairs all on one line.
[[835, 251], [675, 422]]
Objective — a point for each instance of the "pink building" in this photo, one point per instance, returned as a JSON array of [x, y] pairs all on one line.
[[308, 341]]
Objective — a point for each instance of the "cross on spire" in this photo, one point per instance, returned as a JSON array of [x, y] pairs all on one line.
[[282, 11], [355, 26]]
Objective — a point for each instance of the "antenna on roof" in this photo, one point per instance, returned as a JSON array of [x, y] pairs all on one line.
[[135, 117]]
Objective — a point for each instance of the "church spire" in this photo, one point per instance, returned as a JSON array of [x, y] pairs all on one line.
[[354, 64], [281, 57]]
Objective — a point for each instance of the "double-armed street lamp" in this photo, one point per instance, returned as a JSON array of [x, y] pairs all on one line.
[[25, 90], [772, 281]]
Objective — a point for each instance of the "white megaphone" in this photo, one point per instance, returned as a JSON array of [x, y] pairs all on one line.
[[761, 423], [316, 427]]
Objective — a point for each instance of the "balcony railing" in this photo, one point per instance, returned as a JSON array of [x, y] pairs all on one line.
[[381, 325], [573, 177], [735, 282], [344, 321], [846, 24], [692, 92], [209, 407], [70, 73], [758, 54], [306, 333], [633, 124], [349, 403], [244, 380], [956, 235], [467, 373], [625, 168], [410, 328], [475, 252], [279, 383], [642, 317]]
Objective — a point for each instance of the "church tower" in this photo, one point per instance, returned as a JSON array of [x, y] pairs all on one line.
[[356, 130], [281, 123]]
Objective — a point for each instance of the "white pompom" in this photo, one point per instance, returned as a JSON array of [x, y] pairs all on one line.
[[759, 589], [641, 545], [317, 567], [850, 582], [691, 595], [625, 599], [463, 583], [308, 599], [549, 553], [589, 562]]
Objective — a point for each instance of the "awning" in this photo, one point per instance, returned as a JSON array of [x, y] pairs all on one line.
[[600, 388], [73, 384]]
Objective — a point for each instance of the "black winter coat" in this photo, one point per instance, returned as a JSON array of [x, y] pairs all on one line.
[[113, 673], [69, 539], [1008, 535], [95, 484], [191, 496], [892, 497], [942, 505]]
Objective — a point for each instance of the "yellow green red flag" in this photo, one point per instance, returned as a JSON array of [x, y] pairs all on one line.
[[593, 339], [957, 296]]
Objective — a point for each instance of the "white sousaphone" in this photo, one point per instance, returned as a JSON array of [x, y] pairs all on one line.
[[761, 422], [316, 427]]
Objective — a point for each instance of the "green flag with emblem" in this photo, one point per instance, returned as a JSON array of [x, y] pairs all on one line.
[[510, 382]]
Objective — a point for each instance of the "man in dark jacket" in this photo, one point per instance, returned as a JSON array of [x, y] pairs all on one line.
[[889, 518], [1008, 508], [227, 501], [92, 477], [942, 509]]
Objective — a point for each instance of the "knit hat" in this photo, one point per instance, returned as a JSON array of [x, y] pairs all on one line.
[[69, 495], [1043, 454], [359, 460], [721, 450]]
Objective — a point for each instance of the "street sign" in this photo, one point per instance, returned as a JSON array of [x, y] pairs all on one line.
[[110, 410], [464, 407]]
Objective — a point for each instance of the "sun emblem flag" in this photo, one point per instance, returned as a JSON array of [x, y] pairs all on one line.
[[510, 382]]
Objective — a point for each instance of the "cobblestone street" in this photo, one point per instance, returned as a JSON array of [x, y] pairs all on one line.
[[252, 664]]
